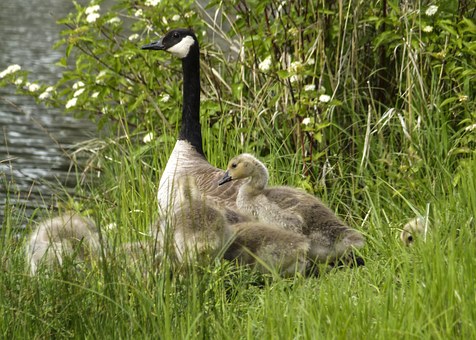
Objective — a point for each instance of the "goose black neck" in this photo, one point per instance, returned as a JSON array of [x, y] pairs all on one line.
[[190, 130]]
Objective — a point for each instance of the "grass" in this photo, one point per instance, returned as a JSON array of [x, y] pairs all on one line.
[[425, 291]]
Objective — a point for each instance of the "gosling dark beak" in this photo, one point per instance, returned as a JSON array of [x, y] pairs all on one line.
[[225, 179], [157, 45]]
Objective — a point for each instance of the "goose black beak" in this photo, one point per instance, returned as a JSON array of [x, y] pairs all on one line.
[[225, 179], [157, 45]]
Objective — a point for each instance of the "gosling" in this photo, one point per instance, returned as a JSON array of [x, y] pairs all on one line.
[[416, 227], [269, 248], [67, 235], [291, 209], [200, 229]]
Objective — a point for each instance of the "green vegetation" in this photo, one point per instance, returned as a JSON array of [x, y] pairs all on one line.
[[369, 105]]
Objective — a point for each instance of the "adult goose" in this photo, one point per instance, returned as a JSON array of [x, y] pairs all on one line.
[[291, 209], [188, 158]]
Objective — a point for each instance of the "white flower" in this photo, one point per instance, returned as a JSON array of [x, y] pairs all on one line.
[[33, 87], [47, 93], [139, 13], [93, 9], [324, 98], [152, 2], [114, 20], [295, 66], [306, 121], [71, 102], [148, 137], [18, 81], [77, 85], [265, 65], [189, 14], [470, 127], [95, 95], [9, 70], [176, 17], [309, 87], [311, 61], [92, 17], [431, 10], [100, 76], [133, 37], [462, 97], [428, 29], [78, 92], [164, 20], [165, 98], [294, 78]]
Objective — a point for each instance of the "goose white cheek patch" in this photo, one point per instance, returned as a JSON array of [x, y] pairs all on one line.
[[181, 49]]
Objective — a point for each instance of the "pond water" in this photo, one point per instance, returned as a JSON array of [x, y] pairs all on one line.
[[35, 142]]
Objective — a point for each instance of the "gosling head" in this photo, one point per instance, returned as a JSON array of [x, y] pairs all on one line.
[[413, 229], [180, 42], [243, 166]]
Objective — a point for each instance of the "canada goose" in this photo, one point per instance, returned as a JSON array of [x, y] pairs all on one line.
[[269, 247], [199, 227], [66, 235], [187, 157], [291, 209], [415, 227]]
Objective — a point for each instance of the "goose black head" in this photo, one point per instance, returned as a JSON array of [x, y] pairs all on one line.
[[179, 42]]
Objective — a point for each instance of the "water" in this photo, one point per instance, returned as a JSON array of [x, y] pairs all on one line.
[[34, 141]]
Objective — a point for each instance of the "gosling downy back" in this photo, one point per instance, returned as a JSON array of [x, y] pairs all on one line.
[[269, 248], [63, 236], [291, 209], [200, 229]]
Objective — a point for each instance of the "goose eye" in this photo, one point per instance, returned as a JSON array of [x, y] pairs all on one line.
[[176, 35], [233, 166]]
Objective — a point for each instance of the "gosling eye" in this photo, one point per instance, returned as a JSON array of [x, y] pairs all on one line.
[[176, 35], [234, 165]]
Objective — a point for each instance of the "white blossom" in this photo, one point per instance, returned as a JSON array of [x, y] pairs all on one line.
[[33, 87], [295, 66], [462, 97], [47, 93], [189, 14], [78, 92], [93, 9], [133, 37], [165, 98], [114, 20], [148, 137], [139, 13], [92, 17], [324, 98], [100, 76], [431, 10], [95, 95], [265, 65], [72, 102], [294, 78], [152, 3], [306, 121], [428, 29], [77, 85], [9, 70], [311, 61], [176, 17], [309, 87], [18, 81], [470, 127]]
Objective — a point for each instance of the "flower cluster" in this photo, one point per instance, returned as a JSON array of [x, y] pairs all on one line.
[[10, 70], [92, 13]]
